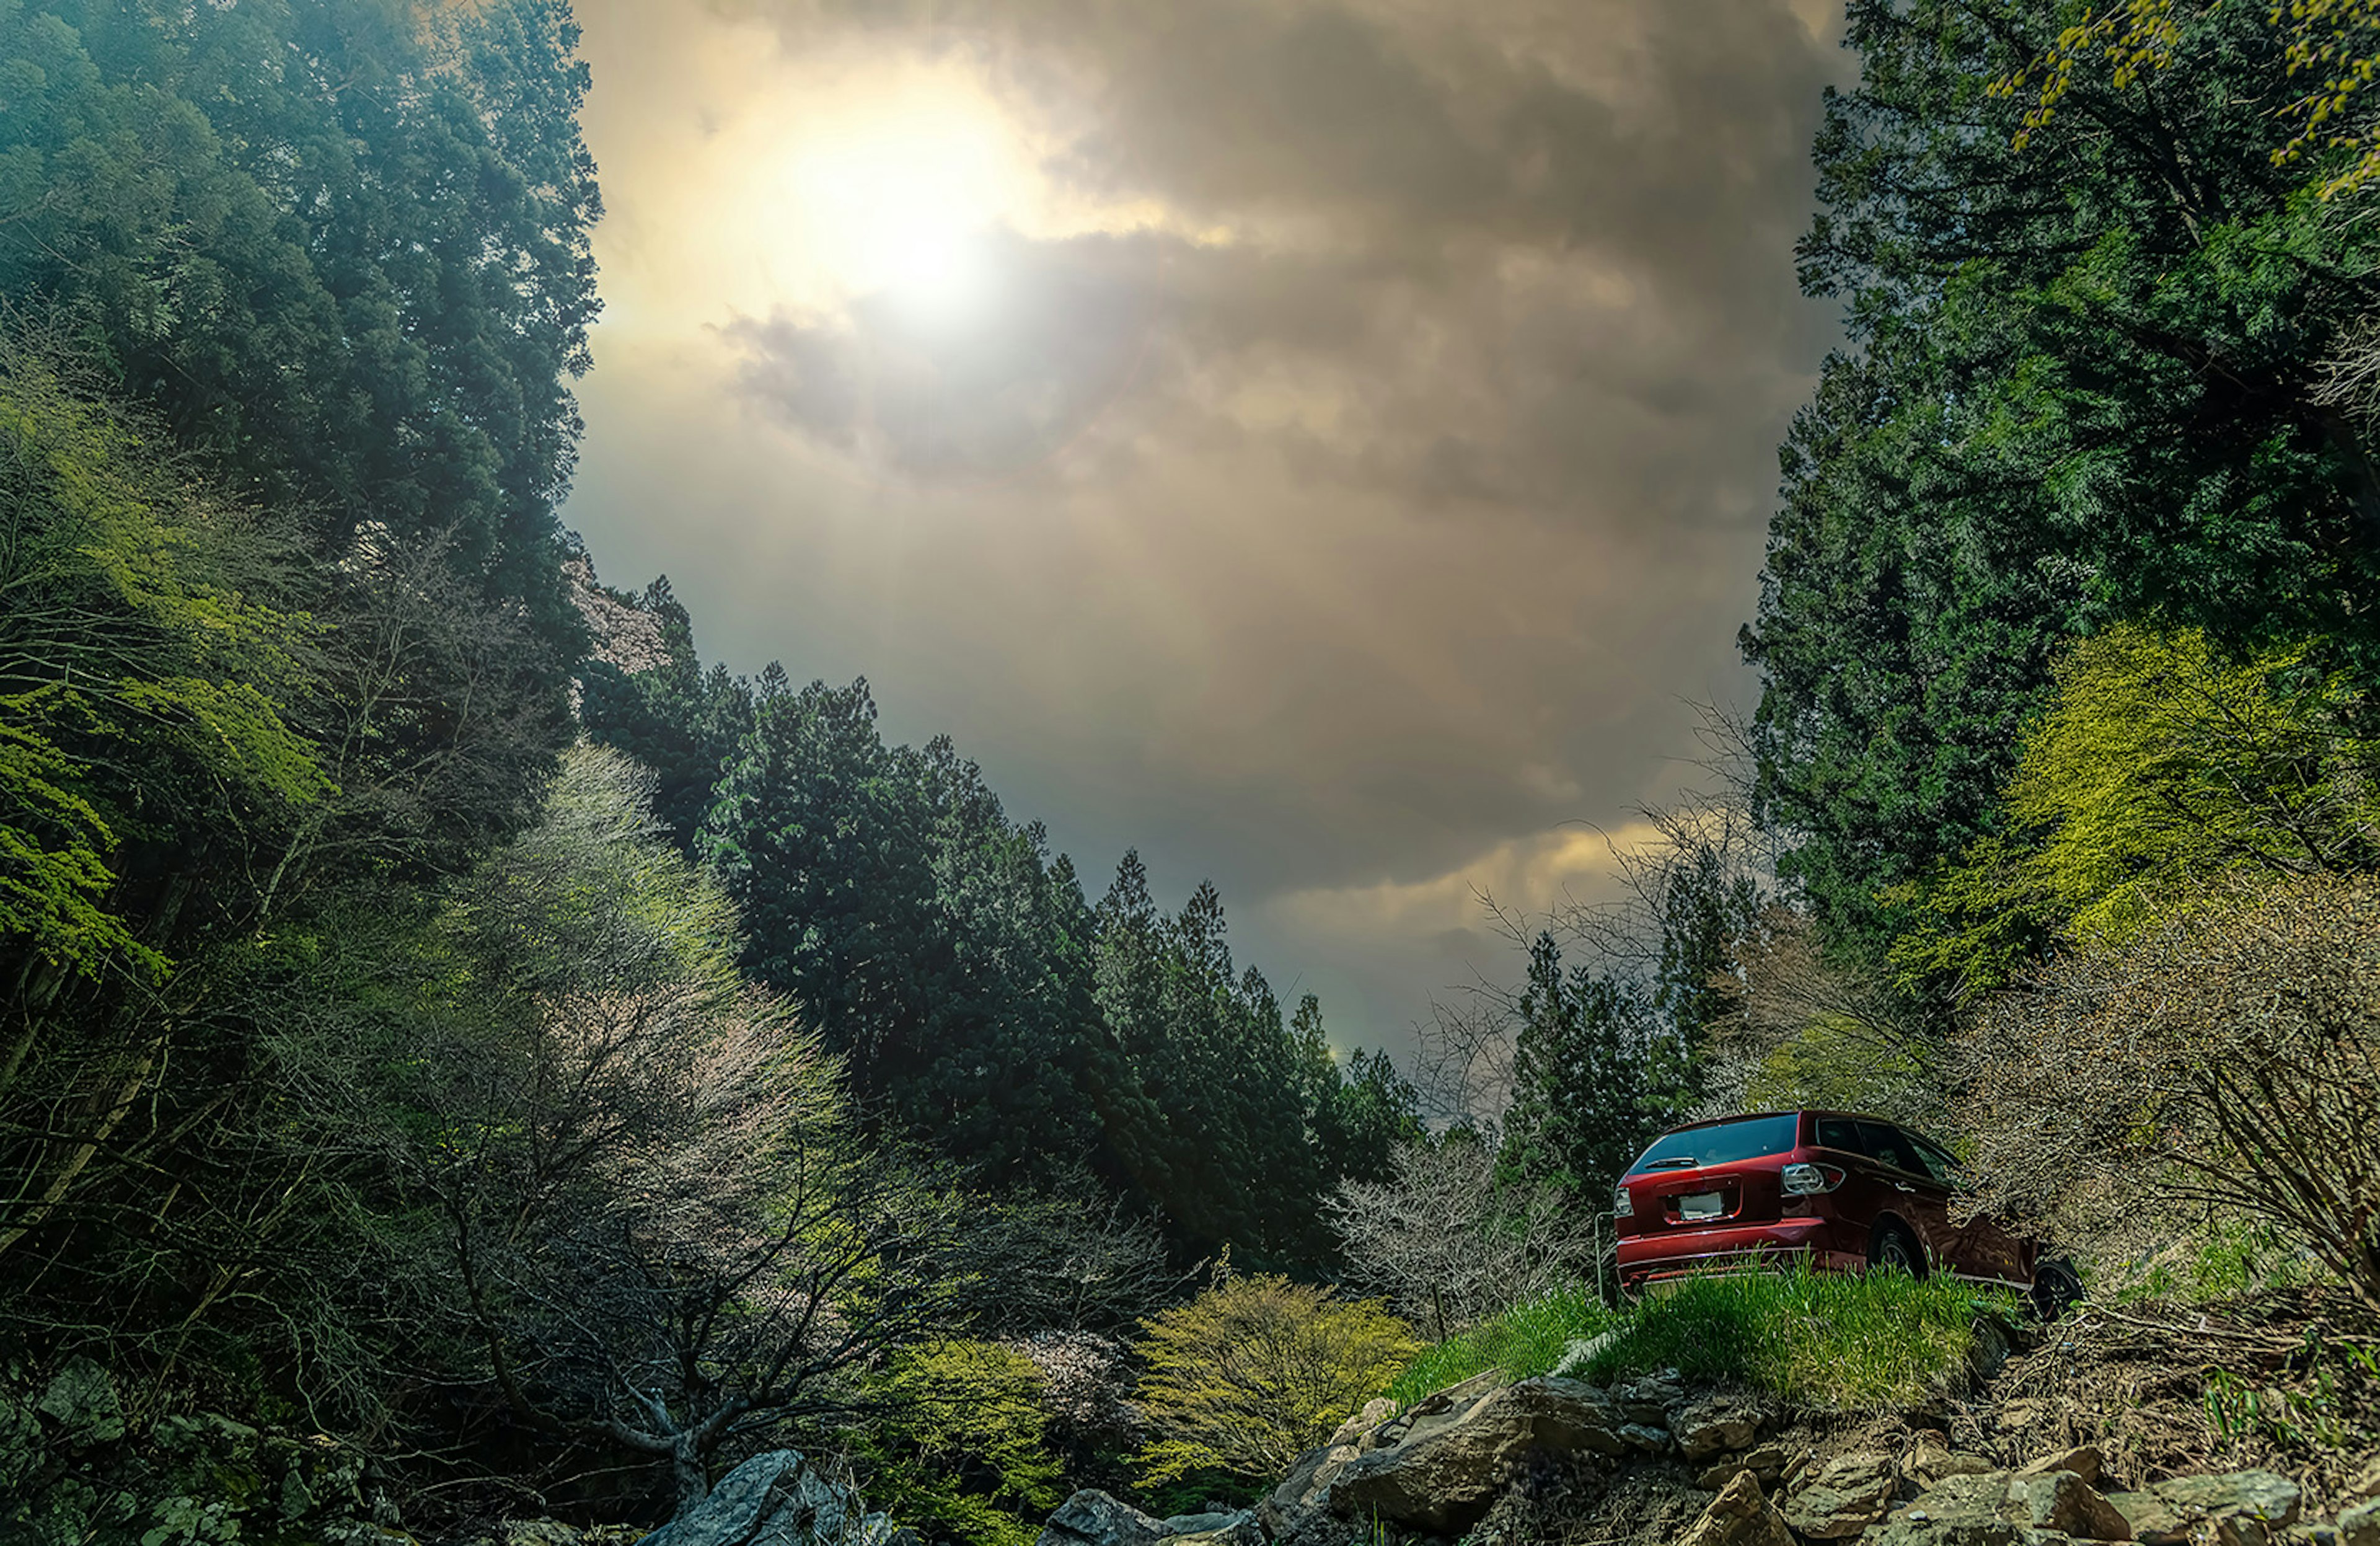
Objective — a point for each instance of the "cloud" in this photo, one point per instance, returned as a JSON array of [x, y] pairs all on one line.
[[1348, 460]]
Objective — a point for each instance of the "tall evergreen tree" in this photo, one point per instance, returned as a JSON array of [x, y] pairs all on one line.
[[1593, 1077]]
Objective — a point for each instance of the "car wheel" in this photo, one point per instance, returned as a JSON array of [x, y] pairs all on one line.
[[2056, 1287], [1895, 1250]]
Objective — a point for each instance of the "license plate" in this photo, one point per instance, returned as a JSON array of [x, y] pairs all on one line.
[[1700, 1205]]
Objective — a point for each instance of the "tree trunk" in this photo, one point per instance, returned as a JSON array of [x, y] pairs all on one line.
[[688, 1472]]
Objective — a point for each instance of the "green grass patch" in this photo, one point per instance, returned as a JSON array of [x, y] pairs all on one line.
[[2221, 1259], [1526, 1340], [1813, 1338]]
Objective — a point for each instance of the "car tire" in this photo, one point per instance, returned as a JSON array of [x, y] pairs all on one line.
[[2056, 1287], [1893, 1249]]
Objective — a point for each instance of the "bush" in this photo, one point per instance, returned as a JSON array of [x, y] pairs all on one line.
[[1526, 1340], [963, 1450], [1812, 1338], [2227, 1060], [1257, 1370]]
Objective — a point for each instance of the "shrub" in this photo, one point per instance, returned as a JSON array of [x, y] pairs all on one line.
[[963, 1450], [2229, 1061], [1257, 1370], [1449, 1242]]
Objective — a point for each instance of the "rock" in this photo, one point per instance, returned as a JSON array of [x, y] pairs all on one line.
[[1740, 1515], [1652, 1440], [2064, 1501], [2003, 1508], [1094, 1518], [1443, 1476], [2240, 1508], [777, 1499], [1929, 1464], [1713, 1424], [1648, 1400], [1217, 1530], [1305, 1489], [1767, 1463], [2366, 1483], [2085, 1461], [2360, 1526], [1375, 1412], [1842, 1497], [81, 1401]]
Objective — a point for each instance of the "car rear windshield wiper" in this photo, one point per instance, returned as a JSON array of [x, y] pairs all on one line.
[[1683, 1162]]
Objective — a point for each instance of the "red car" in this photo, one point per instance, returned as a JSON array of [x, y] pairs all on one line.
[[1843, 1191]]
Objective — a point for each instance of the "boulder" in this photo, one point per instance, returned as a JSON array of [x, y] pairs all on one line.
[[1842, 1497], [1215, 1529], [2360, 1526], [2003, 1508], [1094, 1518], [1929, 1464], [1442, 1476], [2083, 1460], [1714, 1424], [1305, 1491], [777, 1498], [2064, 1500], [1375, 1412], [2239, 1508], [1740, 1515]]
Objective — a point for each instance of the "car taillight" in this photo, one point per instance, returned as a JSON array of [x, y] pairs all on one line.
[[1621, 1208], [1810, 1180]]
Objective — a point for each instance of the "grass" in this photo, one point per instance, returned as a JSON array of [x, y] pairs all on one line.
[[1811, 1338], [2224, 1259], [1526, 1340]]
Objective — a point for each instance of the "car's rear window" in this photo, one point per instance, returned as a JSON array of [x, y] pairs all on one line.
[[1721, 1143]]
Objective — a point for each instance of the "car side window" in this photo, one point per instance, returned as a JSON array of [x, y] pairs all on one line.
[[1891, 1146], [1837, 1132], [1938, 1162]]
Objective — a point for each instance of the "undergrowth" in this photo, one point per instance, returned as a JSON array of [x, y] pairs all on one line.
[[1526, 1340], [1812, 1338], [1818, 1339]]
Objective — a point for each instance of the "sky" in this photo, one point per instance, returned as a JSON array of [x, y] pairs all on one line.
[[1325, 445]]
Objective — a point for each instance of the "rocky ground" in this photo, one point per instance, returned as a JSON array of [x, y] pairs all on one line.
[[2256, 1425], [2253, 1425]]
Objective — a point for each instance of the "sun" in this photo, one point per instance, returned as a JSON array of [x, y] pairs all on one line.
[[900, 202]]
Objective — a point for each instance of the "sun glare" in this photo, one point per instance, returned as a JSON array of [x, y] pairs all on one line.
[[900, 205]]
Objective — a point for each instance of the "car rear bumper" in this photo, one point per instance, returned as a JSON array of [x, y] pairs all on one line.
[[1826, 1244]]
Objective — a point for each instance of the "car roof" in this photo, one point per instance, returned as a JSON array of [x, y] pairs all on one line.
[[1798, 1111]]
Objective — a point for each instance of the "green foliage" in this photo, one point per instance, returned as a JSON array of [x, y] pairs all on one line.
[[1594, 1077], [1836, 1063], [2224, 1258], [1258, 1370], [2161, 767], [141, 669], [1858, 1342], [1521, 1343], [2077, 387], [341, 246], [962, 1451]]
